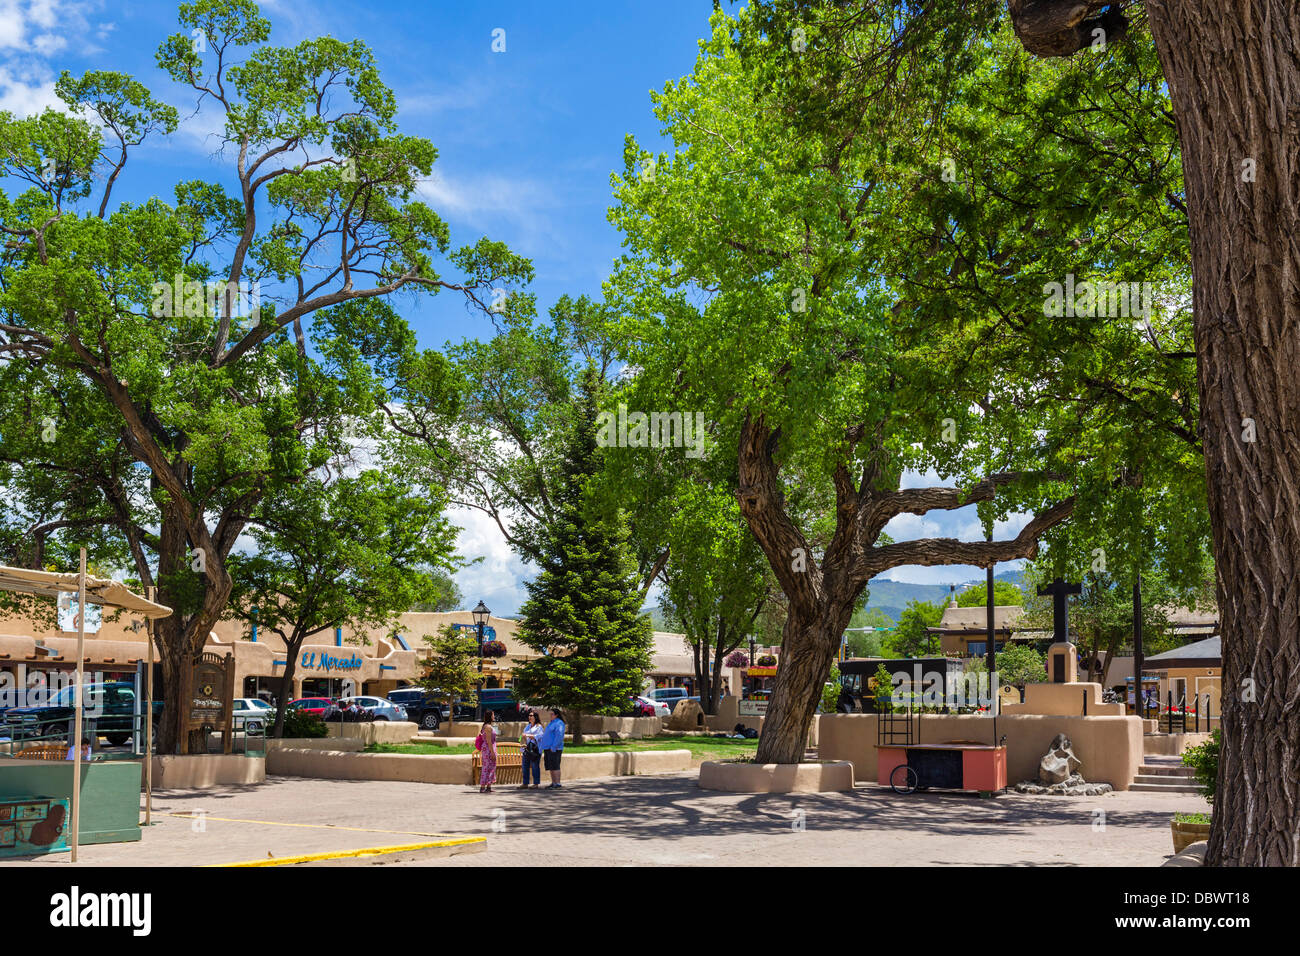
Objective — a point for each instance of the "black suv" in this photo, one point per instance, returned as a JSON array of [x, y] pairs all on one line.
[[421, 706], [111, 705]]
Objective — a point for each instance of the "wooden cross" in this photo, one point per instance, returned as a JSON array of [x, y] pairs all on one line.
[[1059, 590]]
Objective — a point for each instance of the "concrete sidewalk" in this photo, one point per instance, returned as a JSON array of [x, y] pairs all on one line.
[[650, 820]]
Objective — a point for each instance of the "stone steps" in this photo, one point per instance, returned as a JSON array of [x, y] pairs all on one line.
[[1157, 783], [1166, 770]]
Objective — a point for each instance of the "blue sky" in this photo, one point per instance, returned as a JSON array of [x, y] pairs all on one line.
[[527, 138]]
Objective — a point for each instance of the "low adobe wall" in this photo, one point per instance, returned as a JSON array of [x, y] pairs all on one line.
[[455, 768], [1171, 745], [199, 771], [373, 731], [1109, 747], [739, 777]]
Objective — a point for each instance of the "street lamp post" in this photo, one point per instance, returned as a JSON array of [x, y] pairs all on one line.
[[480, 615]]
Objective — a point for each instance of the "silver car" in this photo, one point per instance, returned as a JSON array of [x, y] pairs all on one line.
[[252, 714], [380, 707]]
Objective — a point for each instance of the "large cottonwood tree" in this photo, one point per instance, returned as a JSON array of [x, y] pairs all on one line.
[[214, 401], [845, 306]]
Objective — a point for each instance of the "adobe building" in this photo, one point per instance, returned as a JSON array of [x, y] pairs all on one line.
[[332, 664], [964, 631]]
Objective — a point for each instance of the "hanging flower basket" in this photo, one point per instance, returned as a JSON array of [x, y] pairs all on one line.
[[737, 659], [766, 660], [494, 649]]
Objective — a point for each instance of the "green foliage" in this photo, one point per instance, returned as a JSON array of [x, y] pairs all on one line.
[[442, 595], [910, 638], [1021, 664], [583, 608], [831, 691], [1204, 761], [154, 418], [451, 664], [882, 686], [299, 723], [1004, 594]]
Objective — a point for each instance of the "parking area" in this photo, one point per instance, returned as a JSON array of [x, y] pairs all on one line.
[[649, 820]]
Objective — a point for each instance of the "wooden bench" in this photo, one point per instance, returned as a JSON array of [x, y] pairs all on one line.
[[43, 752], [510, 764]]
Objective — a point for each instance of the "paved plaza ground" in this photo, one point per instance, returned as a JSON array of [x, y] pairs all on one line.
[[651, 820]]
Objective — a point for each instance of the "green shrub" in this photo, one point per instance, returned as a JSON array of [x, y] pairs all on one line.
[[831, 691], [299, 723], [1204, 761]]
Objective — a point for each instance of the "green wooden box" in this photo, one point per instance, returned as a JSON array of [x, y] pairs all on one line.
[[110, 793]]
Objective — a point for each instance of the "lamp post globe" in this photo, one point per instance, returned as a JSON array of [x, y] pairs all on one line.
[[480, 615]]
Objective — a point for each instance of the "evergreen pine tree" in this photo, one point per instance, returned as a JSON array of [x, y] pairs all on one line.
[[584, 608]]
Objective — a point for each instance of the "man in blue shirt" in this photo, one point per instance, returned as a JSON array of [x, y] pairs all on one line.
[[552, 745]]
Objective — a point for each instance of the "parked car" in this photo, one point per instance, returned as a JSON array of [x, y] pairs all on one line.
[[110, 704], [252, 714], [501, 701], [669, 695], [421, 706], [655, 708], [380, 708], [317, 706]]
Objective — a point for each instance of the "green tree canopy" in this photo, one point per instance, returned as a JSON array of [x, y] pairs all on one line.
[[583, 611], [1005, 594]]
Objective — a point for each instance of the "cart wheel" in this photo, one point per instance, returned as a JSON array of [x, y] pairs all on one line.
[[903, 779]]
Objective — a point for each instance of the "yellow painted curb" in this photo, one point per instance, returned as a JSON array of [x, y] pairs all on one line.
[[364, 851]]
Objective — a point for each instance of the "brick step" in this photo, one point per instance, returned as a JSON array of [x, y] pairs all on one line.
[[1165, 788]]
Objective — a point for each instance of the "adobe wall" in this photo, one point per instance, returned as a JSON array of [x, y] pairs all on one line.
[[1110, 747], [455, 768]]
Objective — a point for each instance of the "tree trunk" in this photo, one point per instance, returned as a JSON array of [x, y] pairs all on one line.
[[1234, 76], [576, 720], [286, 690], [808, 650], [715, 687], [181, 637]]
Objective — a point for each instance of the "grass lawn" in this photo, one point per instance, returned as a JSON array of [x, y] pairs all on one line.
[[701, 748]]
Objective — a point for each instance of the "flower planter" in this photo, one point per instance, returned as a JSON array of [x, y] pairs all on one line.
[[1185, 834]]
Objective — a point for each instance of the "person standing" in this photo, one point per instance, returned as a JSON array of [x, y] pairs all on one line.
[[552, 744], [486, 744], [532, 755]]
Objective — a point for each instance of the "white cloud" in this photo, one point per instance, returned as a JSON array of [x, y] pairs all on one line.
[[46, 26], [498, 579], [24, 97]]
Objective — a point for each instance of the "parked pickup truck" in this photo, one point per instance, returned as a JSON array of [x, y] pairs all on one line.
[[111, 705]]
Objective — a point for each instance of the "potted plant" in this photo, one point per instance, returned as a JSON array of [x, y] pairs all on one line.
[[494, 649], [1189, 828], [766, 660], [737, 659]]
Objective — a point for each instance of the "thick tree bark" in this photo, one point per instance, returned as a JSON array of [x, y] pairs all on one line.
[[1234, 76], [180, 637]]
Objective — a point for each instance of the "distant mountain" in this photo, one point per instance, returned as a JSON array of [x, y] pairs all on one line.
[[892, 597]]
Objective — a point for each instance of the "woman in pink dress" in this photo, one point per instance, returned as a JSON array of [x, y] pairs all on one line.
[[486, 744]]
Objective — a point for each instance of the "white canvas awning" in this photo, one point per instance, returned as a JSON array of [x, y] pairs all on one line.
[[98, 590]]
